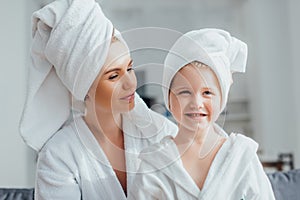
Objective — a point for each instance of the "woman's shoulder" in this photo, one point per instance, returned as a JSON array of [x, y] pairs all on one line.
[[162, 146], [160, 154], [62, 141]]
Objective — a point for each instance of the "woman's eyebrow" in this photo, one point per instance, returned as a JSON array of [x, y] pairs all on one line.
[[130, 62], [118, 68], [113, 69]]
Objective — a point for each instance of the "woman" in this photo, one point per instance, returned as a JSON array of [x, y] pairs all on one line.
[[202, 161], [82, 114]]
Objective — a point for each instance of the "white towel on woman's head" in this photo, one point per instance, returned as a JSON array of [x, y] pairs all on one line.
[[216, 48], [71, 39]]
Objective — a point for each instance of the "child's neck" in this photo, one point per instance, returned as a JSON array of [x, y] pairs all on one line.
[[185, 138]]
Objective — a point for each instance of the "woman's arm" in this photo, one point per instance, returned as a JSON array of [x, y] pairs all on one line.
[[148, 185], [54, 178]]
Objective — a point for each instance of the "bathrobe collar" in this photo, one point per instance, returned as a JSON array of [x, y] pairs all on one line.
[[237, 149]]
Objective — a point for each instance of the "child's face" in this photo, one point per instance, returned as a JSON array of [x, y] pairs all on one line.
[[195, 97]]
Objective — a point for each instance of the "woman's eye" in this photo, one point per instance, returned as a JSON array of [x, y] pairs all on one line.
[[113, 76], [130, 69]]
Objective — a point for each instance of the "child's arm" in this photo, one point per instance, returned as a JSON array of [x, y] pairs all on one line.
[[259, 181]]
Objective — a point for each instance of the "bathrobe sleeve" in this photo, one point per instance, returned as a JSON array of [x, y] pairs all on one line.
[[55, 178]]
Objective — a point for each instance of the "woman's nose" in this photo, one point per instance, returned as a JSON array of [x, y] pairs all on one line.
[[129, 80]]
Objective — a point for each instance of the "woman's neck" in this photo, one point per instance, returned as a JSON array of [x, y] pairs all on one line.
[[104, 125]]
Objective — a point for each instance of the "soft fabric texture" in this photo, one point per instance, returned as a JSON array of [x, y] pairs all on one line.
[[235, 173], [216, 48], [72, 165], [286, 184], [16, 193], [71, 39]]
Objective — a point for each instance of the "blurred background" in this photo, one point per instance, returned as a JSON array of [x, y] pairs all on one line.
[[263, 103]]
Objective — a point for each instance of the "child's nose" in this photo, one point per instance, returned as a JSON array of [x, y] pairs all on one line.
[[197, 101]]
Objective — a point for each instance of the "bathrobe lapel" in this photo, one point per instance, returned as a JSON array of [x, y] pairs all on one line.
[[228, 167]]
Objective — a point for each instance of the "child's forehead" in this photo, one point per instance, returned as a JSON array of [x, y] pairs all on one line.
[[194, 75], [192, 71]]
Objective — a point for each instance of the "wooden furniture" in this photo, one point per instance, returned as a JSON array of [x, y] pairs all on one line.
[[285, 161]]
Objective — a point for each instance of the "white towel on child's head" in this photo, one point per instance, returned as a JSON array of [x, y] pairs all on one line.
[[71, 39], [216, 48]]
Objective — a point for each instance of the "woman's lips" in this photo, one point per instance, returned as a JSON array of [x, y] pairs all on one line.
[[128, 98]]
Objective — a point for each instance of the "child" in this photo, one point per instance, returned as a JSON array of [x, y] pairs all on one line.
[[202, 161]]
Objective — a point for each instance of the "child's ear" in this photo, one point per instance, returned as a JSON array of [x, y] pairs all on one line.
[[170, 108]]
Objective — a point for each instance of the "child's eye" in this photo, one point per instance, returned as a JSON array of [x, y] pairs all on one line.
[[184, 92], [207, 92]]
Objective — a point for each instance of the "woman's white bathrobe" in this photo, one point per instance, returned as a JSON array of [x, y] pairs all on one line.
[[235, 174], [72, 166]]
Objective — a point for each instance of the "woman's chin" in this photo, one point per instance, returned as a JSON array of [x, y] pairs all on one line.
[[128, 108], [131, 106]]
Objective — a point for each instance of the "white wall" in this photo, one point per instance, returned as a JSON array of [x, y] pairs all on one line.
[[15, 157], [271, 85], [294, 30]]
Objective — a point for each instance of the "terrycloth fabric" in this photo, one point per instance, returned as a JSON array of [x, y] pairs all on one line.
[[235, 173], [71, 39], [216, 48], [73, 166]]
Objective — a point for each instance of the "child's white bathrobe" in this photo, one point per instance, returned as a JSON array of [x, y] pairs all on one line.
[[72, 165], [235, 174]]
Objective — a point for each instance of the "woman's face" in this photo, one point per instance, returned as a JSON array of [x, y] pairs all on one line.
[[195, 97], [116, 83]]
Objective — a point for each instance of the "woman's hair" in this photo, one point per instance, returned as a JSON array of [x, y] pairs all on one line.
[[114, 38]]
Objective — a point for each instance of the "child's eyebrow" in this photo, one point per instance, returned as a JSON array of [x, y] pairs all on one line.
[[180, 88]]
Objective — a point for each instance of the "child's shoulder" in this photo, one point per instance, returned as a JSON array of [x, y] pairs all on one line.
[[239, 139]]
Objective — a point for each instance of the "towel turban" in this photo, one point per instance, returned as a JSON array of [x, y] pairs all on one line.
[[215, 48], [71, 39]]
